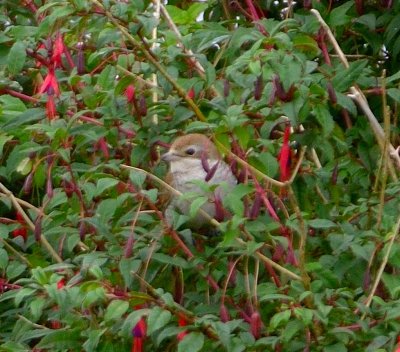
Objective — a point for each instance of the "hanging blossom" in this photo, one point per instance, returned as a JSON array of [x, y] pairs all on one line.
[[50, 84], [58, 50], [21, 231], [284, 156], [139, 334], [130, 93], [182, 322], [51, 107]]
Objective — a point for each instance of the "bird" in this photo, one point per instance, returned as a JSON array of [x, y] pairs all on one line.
[[193, 158]]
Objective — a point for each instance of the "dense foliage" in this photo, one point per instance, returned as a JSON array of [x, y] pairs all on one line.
[[309, 260]]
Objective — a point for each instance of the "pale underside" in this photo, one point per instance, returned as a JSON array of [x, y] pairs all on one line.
[[184, 172]]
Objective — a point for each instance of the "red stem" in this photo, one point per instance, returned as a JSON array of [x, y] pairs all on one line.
[[21, 96]]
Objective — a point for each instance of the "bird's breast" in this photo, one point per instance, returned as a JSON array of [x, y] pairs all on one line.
[[188, 170]]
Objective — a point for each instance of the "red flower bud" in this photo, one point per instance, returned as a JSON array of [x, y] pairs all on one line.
[[226, 88], [130, 93], [61, 283], [182, 322], [129, 246], [191, 93], [27, 187], [258, 87], [224, 313], [255, 324], [331, 93], [49, 187], [142, 107]]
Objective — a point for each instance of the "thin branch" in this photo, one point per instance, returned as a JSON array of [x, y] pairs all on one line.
[[30, 224], [16, 253], [383, 265]]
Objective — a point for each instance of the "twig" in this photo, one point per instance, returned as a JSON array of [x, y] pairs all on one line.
[[383, 265], [303, 238], [39, 212], [137, 77], [28, 221], [385, 155], [13, 250], [157, 8]]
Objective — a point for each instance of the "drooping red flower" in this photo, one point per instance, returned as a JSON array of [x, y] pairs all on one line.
[[255, 324], [191, 93], [130, 93], [60, 283], [284, 157], [398, 345], [58, 50], [22, 230], [101, 145], [50, 84], [139, 334], [182, 322], [51, 107]]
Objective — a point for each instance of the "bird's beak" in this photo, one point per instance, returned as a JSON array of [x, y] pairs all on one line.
[[168, 156]]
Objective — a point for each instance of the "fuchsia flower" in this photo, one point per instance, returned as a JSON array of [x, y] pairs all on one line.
[[21, 231], [182, 322], [51, 107], [58, 50], [130, 93], [50, 84], [139, 334], [284, 157]]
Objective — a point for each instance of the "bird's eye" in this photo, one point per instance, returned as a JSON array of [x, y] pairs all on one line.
[[190, 151]]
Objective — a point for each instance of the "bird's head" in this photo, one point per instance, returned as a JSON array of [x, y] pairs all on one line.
[[191, 146]]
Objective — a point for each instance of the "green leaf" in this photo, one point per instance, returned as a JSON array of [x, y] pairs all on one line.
[[14, 269], [324, 118], [27, 117], [58, 340], [23, 294], [16, 57], [394, 93], [166, 259], [93, 340], [192, 342], [105, 183], [3, 258], [338, 16], [196, 204], [157, 319], [116, 309], [321, 223], [280, 318]]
